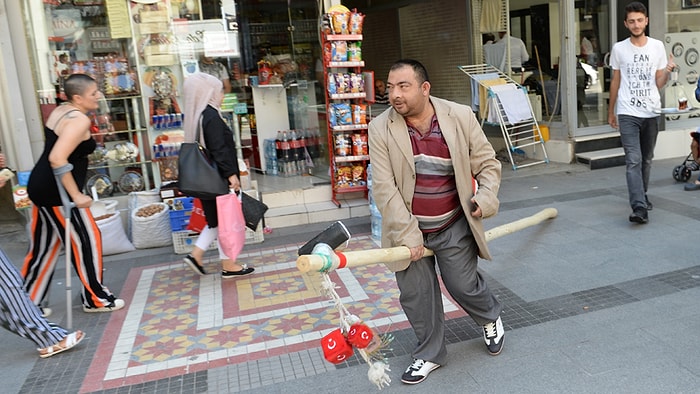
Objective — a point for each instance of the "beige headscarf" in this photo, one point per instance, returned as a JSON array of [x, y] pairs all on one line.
[[198, 91]]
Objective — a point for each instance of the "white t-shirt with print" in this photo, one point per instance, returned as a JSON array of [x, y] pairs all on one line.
[[638, 94]]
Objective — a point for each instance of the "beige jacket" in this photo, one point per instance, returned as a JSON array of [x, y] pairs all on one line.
[[394, 173]]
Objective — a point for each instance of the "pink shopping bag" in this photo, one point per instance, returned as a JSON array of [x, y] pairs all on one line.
[[231, 224]]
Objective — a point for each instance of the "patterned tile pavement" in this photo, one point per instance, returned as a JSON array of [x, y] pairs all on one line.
[[178, 323]]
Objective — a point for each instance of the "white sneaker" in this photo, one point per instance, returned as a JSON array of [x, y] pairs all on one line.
[[494, 334], [418, 371], [45, 312], [115, 305]]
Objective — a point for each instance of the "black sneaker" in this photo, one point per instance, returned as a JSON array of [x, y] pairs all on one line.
[[650, 206], [196, 267], [639, 215], [494, 334], [418, 371]]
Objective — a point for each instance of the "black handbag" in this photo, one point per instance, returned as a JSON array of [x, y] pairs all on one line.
[[253, 211], [197, 173]]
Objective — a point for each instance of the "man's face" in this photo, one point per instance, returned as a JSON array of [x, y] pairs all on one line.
[[380, 87], [636, 22], [406, 94]]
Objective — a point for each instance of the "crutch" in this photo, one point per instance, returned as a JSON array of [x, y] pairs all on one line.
[[67, 208]]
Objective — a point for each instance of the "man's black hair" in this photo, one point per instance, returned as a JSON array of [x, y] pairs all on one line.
[[418, 68], [635, 6]]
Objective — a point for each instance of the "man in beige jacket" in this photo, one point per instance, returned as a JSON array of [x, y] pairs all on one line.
[[426, 153]]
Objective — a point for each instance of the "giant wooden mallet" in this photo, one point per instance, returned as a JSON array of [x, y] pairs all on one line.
[[321, 263]]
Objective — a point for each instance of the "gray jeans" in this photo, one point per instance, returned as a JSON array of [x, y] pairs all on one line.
[[638, 137], [421, 299]]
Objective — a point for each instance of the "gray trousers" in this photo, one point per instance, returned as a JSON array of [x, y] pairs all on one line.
[[638, 136], [456, 256]]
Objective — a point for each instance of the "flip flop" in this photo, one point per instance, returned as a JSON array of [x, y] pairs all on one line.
[[66, 343]]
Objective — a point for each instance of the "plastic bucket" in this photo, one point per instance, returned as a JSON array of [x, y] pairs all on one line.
[[544, 130]]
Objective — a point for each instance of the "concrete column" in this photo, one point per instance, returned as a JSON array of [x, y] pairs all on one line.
[[21, 125]]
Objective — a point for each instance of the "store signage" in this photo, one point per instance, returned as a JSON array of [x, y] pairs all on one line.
[[66, 23], [118, 15], [208, 36]]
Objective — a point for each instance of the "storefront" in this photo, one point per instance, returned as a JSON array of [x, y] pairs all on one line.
[[141, 51], [570, 43]]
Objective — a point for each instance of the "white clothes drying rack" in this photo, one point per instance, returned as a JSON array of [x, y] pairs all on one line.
[[518, 135]]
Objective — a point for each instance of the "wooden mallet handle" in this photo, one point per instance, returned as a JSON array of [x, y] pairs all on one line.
[[314, 262]]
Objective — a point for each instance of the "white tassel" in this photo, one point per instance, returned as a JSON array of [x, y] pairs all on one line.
[[377, 374]]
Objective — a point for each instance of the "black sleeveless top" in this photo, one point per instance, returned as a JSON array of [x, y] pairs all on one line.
[[42, 187]]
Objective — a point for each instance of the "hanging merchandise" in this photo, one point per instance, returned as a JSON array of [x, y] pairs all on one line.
[[264, 72], [342, 145], [345, 100], [353, 333]]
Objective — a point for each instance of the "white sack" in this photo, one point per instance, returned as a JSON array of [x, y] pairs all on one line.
[[151, 231]]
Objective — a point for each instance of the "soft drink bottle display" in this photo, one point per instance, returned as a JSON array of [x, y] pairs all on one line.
[[286, 154], [294, 145], [278, 145]]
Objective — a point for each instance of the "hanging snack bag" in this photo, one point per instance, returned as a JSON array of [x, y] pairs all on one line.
[[343, 176], [343, 81], [342, 145], [332, 116], [355, 51], [332, 84], [327, 53], [357, 175], [356, 21], [340, 22], [359, 113], [339, 51], [357, 83], [343, 113], [326, 24]]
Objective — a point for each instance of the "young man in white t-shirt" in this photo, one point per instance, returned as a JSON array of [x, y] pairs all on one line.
[[640, 70]]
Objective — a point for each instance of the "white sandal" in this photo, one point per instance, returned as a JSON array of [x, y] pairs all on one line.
[[66, 343]]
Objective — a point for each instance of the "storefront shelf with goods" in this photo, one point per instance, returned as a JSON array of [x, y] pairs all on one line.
[[120, 152], [346, 110]]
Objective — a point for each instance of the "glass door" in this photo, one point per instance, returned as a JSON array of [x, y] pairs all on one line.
[[592, 72]]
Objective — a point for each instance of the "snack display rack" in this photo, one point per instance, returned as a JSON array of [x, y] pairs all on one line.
[[346, 117]]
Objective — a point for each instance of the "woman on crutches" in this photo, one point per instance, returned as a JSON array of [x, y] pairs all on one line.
[[68, 142]]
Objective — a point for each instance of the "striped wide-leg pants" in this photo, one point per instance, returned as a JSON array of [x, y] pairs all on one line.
[[19, 314], [47, 233]]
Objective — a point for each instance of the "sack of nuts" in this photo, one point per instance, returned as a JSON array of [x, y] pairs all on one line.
[[150, 226], [149, 210]]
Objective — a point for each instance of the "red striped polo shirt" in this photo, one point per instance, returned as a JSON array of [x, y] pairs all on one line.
[[435, 201]]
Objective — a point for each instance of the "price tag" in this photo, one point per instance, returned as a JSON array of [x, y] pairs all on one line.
[[240, 108]]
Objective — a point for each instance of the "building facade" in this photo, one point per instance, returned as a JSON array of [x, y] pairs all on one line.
[[562, 37]]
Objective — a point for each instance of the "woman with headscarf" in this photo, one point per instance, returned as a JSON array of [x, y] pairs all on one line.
[[203, 95]]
